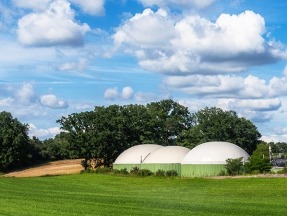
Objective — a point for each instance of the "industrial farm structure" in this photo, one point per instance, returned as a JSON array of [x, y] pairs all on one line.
[[207, 159]]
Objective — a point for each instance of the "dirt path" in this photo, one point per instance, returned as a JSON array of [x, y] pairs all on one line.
[[52, 168], [251, 176]]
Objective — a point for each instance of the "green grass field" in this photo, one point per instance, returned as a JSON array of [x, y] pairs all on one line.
[[94, 194]]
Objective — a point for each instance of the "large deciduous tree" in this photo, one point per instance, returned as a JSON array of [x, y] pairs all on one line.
[[214, 124], [101, 133], [15, 146], [105, 132], [78, 128], [168, 120]]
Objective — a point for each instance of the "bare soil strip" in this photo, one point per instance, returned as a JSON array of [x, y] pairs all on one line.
[[251, 176], [52, 168]]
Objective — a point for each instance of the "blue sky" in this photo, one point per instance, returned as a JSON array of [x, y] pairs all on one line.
[[58, 57]]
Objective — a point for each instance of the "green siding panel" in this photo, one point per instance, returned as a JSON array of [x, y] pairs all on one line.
[[184, 170], [201, 170], [165, 167], [127, 166], [151, 167]]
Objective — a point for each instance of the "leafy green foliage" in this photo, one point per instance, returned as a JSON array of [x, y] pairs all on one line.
[[171, 173], [214, 124], [108, 131], [279, 147], [283, 171], [222, 173], [168, 120], [160, 173], [103, 170], [56, 148], [16, 149], [234, 166], [134, 170], [144, 172], [123, 171], [259, 160]]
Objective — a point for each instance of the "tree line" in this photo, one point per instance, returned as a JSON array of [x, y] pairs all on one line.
[[105, 132]]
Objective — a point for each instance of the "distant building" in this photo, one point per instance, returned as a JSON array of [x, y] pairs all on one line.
[[279, 162]]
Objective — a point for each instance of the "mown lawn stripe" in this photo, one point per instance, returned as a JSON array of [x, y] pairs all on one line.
[[91, 194]]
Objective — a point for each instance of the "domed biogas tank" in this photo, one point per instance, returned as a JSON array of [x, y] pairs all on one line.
[[134, 156], [208, 159]]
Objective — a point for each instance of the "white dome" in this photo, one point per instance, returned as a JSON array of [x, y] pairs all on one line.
[[214, 153], [168, 154], [136, 154]]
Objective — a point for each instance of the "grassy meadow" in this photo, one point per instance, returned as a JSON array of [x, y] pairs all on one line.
[[96, 194]]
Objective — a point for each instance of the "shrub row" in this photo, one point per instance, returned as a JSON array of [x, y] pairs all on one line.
[[145, 172], [134, 171]]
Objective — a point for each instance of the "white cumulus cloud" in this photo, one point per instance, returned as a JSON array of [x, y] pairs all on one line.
[[250, 87], [33, 4], [218, 86], [43, 133], [113, 93], [93, 7], [127, 93], [52, 101], [6, 102], [271, 104], [278, 86], [26, 93], [196, 45], [148, 29], [178, 3], [55, 26]]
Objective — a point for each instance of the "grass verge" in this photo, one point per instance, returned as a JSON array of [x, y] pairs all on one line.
[[97, 194]]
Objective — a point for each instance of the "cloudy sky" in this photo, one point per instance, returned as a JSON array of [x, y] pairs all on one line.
[[58, 57]]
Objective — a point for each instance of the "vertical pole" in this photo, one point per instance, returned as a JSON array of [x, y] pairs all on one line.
[[270, 153]]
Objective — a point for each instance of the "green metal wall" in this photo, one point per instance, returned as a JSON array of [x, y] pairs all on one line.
[[127, 166], [151, 167], [201, 170], [184, 170], [165, 167]]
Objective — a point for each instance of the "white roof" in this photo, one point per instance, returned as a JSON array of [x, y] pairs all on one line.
[[167, 154], [136, 154], [214, 153]]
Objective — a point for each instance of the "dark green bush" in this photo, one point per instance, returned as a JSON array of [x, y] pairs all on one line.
[[171, 173], [222, 173], [124, 171], [160, 173], [121, 171], [259, 160], [103, 170], [144, 172], [284, 170], [234, 166], [116, 171], [134, 170]]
